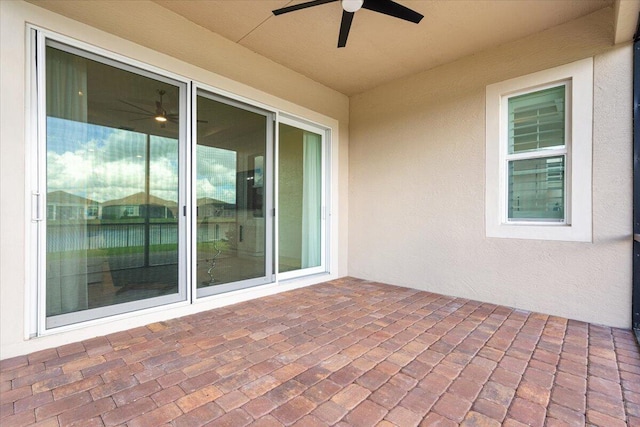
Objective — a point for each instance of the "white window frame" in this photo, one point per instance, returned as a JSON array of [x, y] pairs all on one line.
[[577, 225]]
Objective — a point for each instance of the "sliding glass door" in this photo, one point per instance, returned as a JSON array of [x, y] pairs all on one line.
[[113, 187], [233, 195], [301, 199], [135, 208]]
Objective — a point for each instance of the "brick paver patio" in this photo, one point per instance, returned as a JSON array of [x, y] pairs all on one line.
[[347, 352]]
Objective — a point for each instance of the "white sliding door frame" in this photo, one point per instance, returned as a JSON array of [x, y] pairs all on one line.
[[45, 325], [270, 118], [324, 135]]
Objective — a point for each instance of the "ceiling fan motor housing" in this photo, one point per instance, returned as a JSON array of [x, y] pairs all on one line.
[[352, 5]]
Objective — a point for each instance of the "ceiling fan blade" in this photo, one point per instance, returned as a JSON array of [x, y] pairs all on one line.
[[391, 8], [301, 6], [135, 106], [141, 113], [345, 26]]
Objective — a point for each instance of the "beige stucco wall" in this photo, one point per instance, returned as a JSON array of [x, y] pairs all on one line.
[[417, 184], [132, 31]]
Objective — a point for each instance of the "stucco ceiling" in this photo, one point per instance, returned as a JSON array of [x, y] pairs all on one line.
[[379, 49]]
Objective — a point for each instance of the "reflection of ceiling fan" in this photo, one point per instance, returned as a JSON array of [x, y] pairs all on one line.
[[350, 7], [160, 114]]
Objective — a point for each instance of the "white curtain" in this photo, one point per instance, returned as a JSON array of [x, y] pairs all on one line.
[[66, 86], [311, 200], [66, 95]]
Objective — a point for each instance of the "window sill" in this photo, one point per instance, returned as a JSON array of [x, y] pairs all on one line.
[[547, 231]]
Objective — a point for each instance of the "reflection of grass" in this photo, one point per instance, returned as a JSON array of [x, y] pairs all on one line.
[[132, 250], [140, 249], [126, 250], [55, 256], [120, 221]]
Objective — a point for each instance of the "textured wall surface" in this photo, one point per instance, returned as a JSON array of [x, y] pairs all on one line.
[[417, 184]]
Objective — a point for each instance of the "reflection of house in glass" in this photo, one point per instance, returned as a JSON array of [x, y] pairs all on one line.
[[62, 205], [135, 206], [209, 207], [66, 206], [216, 219]]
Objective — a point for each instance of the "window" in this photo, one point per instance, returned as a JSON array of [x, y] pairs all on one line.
[[536, 156], [538, 151]]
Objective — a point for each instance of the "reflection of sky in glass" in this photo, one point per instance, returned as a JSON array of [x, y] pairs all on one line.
[[93, 161], [216, 173], [102, 164]]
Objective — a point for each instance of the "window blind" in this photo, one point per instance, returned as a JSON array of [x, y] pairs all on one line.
[[537, 120], [536, 189]]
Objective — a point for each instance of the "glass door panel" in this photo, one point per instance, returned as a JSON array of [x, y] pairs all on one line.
[[112, 187], [232, 195], [300, 200]]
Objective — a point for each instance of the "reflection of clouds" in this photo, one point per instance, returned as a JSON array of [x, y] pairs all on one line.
[[216, 173], [163, 174], [204, 188], [90, 177], [103, 164]]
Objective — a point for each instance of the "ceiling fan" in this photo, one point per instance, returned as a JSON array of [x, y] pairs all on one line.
[[160, 114], [350, 7]]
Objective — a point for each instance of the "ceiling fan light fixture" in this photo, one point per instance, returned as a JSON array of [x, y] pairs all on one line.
[[352, 5], [161, 114]]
